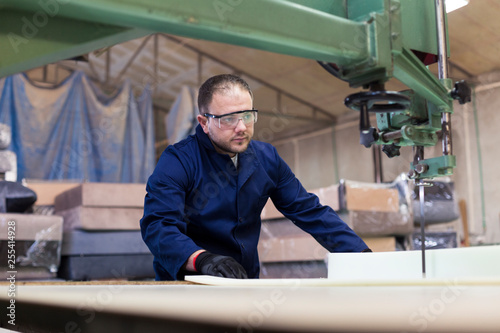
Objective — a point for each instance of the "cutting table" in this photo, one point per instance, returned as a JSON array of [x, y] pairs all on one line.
[[287, 306], [378, 295]]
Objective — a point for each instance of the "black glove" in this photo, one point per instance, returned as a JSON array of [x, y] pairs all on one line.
[[214, 264]]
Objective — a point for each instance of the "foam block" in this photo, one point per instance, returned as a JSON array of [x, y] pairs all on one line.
[[470, 262], [128, 267], [291, 248], [37, 243], [102, 195], [374, 223], [28, 226], [79, 242], [101, 218]]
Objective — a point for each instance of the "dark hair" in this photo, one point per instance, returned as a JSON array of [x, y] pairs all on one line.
[[216, 84]]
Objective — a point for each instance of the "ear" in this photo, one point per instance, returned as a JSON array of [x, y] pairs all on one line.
[[203, 122]]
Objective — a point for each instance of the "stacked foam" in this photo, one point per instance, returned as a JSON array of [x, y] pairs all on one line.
[[102, 237]]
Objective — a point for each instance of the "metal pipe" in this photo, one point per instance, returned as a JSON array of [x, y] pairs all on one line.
[[377, 163], [441, 37], [443, 72], [386, 137]]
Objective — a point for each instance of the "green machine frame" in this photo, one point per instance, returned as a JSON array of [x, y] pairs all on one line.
[[364, 42]]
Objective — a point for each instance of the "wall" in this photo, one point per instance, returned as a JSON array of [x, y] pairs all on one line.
[[322, 158], [476, 141], [311, 157]]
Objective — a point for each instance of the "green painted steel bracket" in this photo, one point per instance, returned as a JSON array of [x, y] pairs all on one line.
[[418, 124], [277, 26], [358, 35], [30, 40], [435, 167], [365, 38]]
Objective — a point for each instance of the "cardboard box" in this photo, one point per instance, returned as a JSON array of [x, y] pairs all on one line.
[[47, 192], [364, 197], [381, 244]]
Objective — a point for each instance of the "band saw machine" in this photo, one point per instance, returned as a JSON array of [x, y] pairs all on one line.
[[363, 42]]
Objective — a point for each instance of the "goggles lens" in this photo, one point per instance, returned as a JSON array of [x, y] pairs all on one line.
[[230, 120]]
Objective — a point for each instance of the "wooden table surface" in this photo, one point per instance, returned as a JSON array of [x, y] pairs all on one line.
[[295, 305]]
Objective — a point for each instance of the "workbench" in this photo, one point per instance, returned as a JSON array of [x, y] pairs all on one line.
[[294, 305]]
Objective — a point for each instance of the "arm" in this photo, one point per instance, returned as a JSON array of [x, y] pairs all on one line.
[[163, 225], [305, 210]]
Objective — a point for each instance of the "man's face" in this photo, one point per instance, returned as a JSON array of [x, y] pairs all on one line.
[[228, 141]]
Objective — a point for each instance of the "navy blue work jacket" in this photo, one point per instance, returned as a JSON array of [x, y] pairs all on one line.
[[197, 199]]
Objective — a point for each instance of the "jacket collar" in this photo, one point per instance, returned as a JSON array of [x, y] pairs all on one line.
[[203, 138]]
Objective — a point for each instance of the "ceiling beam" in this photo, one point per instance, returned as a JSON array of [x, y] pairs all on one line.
[[254, 78]]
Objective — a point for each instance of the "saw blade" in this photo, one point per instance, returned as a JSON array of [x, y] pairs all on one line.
[[422, 225]]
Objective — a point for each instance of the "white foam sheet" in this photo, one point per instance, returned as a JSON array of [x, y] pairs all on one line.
[[471, 263], [467, 266], [295, 283]]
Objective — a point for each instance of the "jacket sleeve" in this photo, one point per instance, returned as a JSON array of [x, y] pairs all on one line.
[[305, 211], [163, 225]]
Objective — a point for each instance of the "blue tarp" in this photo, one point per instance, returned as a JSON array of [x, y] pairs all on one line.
[[75, 132], [181, 120]]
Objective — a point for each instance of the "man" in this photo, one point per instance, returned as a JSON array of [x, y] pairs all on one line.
[[205, 196]]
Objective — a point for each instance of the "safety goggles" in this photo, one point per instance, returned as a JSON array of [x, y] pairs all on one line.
[[230, 120]]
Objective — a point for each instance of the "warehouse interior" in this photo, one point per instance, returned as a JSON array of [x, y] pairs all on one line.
[[86, 129]]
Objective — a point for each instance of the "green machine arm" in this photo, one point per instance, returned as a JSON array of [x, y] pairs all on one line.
[[363, 42]]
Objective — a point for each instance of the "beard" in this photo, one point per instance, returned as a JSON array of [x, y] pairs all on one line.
[[228, 148]]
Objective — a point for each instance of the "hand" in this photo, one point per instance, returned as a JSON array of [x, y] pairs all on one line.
[[217, 265]]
